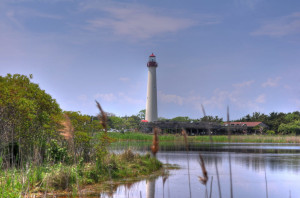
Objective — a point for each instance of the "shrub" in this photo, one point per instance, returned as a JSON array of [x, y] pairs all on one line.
[[62, 178], [57, 153], [270, 132], [128, 155]]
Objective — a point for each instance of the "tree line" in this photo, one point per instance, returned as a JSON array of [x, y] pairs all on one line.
[[278, 122], [35, 130], [33, 126]]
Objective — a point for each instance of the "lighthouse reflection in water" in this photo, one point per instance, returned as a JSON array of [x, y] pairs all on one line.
[[253, 165]]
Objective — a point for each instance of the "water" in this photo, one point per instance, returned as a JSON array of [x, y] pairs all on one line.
[[258, 170]]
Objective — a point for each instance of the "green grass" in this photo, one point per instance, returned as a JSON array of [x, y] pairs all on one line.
[[70, 178], [137, 136]]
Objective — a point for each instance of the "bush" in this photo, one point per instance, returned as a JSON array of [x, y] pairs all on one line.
[[62, 178], [128, 156], [270, 132], [57, 153]]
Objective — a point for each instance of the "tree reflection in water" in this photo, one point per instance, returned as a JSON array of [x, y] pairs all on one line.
[[249, 164]]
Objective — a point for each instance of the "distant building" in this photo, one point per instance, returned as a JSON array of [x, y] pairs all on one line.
[[246, 124]]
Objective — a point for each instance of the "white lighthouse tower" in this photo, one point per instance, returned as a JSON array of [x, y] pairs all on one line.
[[151, 106]]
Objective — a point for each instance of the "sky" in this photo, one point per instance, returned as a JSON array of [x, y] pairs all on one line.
[[244, 54]]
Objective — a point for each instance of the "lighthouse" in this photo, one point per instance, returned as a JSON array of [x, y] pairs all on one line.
[[151, 106]]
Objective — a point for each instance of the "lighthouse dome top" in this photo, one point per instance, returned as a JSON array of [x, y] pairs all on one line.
[[152, 61]]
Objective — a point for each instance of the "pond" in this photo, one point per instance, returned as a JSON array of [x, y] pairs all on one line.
[[258, 170]]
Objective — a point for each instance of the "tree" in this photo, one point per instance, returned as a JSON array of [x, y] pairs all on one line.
[[211, 119], [292, 127], [142, 114], [29, 118], [115, 122], [181, 119], [132, 123]]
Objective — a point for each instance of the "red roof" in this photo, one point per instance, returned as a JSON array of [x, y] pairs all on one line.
[[249, 124], [144, 120], [152, 55]]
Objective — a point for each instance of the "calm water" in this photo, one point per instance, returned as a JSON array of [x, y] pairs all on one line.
[[253, 167]]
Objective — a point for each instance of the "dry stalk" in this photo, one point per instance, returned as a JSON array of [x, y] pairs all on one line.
[[203, 179], [210, 191], [102, 117], [155, 143], [215, 159], [183, 132], [67, 131], [229, 156]]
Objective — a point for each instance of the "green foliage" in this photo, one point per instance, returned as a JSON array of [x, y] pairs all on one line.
[[57, 153], [273, 120], [270, 132], [211, 119], [181, 119], [115, 122], [62, 177], [28, 116], [124, 123], [292, 127], [142, 114]]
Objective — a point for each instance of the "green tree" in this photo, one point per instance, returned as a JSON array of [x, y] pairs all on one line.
[[29, 119], [116, 122], [133, 122], [211, 119], [290, 128], [181, 119], [142, 114]]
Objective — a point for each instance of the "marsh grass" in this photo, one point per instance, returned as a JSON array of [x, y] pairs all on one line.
[[57, 176], [61, 177], [138, 136]]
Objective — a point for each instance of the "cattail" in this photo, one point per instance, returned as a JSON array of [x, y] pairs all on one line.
[[154, 147], [203, 179]]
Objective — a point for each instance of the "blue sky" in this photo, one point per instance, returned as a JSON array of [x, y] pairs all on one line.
[[241, 53]]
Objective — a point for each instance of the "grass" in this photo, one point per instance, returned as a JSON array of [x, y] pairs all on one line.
[[137, 136], [71, 178]]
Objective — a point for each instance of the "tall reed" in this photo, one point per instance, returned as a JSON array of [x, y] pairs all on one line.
[[183, 132], [229, 155], [215, 159], [155, 143]]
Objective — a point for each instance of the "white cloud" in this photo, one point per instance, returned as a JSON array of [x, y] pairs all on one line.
[[218, 100], [271, 82], [244, 84], [261, 98], [120, 97], [109, 97], [127, 99], [248, 3], [170, 98], [141, 22], [82, 98], [297, 103], [281, 26], [124, 79]]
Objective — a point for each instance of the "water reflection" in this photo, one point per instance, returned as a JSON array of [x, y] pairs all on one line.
[[150, 190], [250, 163]]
